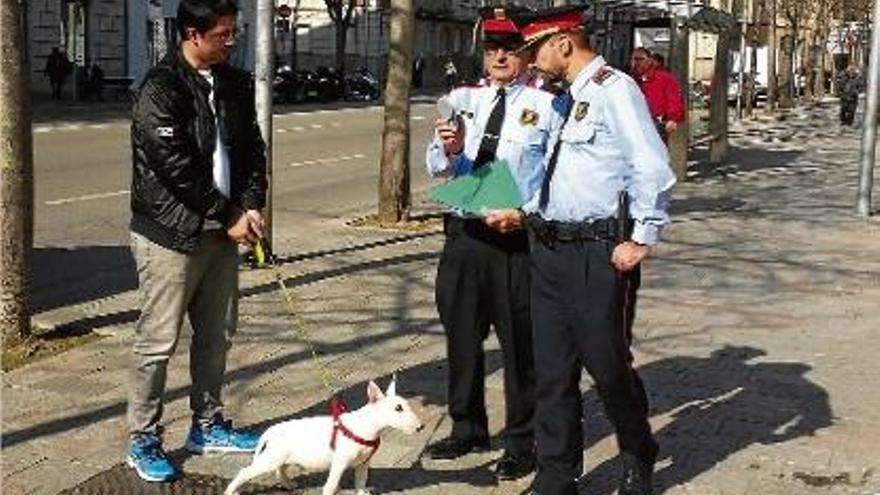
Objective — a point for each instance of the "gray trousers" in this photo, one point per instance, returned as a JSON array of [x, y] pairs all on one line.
[[202, 285]]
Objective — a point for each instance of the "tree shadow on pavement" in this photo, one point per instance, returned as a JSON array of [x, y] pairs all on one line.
[[62, 277], [717, 406], [739, 159]]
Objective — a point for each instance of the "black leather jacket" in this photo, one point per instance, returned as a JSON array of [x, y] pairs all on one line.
[[173, 139]]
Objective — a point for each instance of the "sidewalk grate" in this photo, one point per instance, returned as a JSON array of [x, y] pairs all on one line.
[[122, 480]]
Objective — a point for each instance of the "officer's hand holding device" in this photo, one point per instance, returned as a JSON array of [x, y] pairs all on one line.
[[450, 129]]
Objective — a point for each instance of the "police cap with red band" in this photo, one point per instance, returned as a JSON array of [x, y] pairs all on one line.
[[498, 26], [539, 25]]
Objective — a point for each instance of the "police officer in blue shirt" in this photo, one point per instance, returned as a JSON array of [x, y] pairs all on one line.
[[483, 274], [598, 213]]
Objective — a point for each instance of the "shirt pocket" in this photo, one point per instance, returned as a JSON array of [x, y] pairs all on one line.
[[580, 134], [525, 136], [530, 142]]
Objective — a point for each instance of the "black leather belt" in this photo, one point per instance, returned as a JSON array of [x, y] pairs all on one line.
[[549, 232]]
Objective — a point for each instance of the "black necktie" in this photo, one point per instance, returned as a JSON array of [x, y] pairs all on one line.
[[492, 134], [551, 165]]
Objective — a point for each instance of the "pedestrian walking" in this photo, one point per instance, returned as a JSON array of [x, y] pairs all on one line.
[[584, 246], [661, 90], [58, 67], [450, 72], [849, 86], [198, 187], [483, 274], [95, 82], [418, 71]]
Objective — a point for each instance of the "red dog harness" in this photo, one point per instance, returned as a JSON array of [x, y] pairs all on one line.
[[337, 407]]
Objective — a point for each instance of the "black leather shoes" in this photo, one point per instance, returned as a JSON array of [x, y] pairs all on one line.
[[453, 447], [514, 466], [636, 478]]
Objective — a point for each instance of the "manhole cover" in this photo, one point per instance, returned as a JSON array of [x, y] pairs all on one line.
[[122, 480]]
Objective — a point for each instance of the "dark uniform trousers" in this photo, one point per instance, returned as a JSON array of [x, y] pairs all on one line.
[[483, 280], [848, 105], [582, 318]]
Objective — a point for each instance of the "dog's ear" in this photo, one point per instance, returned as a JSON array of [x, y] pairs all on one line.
[[374, 393], [391, 391]]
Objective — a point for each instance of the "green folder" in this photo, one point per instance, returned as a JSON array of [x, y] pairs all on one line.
[[490, 187]]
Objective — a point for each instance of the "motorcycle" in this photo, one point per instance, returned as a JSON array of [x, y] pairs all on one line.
[[361, 86], [330, 84]]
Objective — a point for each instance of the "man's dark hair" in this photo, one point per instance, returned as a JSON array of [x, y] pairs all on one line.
[[659, 59], [202, 15]]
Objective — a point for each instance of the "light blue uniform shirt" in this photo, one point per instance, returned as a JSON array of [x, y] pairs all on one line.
[[608, 144], [530, 120]]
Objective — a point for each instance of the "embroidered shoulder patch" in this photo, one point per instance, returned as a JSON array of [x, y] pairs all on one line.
[[602, 74], [529, 117], [580, 111]]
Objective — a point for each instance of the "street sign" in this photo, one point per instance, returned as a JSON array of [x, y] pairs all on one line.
[[284, 11]]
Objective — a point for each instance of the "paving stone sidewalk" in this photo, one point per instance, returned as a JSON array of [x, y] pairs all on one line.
[[756, 336]]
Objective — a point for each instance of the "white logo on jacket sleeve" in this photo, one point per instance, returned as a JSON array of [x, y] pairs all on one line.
[[165, 132]]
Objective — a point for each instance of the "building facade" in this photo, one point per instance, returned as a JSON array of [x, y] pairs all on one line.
[[126, 37]]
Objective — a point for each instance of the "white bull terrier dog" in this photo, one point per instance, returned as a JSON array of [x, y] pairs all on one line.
[[334, 443]]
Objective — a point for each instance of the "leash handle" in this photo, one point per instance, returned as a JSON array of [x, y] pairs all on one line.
[[259, 253]]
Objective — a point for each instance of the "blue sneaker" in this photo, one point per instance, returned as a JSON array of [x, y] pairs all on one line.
[[146, 456], [219, 436]]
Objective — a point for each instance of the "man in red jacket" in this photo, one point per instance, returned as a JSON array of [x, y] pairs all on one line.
[[661, 90]]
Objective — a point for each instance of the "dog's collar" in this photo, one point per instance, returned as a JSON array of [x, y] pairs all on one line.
[[337, 407]]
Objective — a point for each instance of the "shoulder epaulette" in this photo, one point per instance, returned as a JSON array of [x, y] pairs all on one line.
[[603, 74]]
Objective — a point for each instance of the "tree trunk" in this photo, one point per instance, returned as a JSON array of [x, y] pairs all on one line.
[[772, 88], [341, 38], [394, 180], [718, 113], [785, 75], [753, 77], [16, 177], [679, 58], [823, 53], [808, 65]]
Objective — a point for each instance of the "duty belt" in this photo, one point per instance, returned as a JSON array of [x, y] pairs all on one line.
[[550, 232]]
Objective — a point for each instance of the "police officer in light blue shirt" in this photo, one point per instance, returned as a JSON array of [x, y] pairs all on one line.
[[483, 275], [598, 212]]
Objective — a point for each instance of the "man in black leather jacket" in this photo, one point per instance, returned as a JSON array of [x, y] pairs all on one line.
[[198, 186]]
